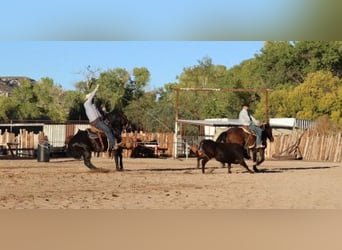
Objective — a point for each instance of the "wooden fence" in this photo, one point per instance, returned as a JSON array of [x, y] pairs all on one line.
[[27, 139], [313, 147], [24, 139], [164, 141]]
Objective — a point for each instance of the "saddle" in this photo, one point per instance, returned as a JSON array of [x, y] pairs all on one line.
[[95, 133], [247, 130], [250, 133]]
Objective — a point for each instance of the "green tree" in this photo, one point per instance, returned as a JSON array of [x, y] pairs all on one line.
[[137, 110], [50, 101], [276, 65], [278, 103], [22, 103], [117, 88], [8, 109], [287, 62], [314, 56], [73, 102], [42, 100], [200, 105], [318, 96]]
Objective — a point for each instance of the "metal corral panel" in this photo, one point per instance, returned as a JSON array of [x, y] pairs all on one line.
[[55, 133], [58, 133]]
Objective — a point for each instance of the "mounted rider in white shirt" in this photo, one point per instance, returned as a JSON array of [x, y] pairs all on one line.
[[95, 118], [248, 120]]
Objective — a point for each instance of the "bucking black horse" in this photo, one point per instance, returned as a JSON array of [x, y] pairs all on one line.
[[84, 142]]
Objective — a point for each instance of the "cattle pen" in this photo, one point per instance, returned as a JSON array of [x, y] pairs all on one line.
[[313, 146]]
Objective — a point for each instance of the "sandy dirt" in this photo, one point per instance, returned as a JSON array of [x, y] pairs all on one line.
[[168, 184]]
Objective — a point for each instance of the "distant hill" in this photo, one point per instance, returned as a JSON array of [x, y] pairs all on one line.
[[8, 83]]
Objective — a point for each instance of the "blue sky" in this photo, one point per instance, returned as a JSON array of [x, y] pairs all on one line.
[[152, 19], [34, 34], [66, 62]]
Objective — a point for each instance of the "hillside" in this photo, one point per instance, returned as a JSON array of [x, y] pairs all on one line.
[[8, 83]]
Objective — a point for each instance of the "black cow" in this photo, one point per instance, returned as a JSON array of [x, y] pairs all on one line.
[[222, 152]]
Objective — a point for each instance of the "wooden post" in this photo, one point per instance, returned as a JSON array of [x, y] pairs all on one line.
[[267, 118], [175, 141]]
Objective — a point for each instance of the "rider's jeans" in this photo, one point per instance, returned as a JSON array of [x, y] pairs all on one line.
[[258, 131], [100, 125]]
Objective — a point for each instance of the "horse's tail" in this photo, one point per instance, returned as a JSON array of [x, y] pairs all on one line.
[[73, 150], [76, 145]]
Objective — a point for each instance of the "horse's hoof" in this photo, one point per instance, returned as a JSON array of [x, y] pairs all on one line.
[[91, 167], [256, 170]]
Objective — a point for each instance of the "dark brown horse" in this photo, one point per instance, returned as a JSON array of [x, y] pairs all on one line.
[[247, 139], [83, 143]]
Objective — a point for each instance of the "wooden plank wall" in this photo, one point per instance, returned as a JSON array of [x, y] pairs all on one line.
[[25, 139], [313, 146], [164, 140]]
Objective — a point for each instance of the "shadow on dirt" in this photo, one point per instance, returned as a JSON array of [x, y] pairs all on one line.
[[211, 169], [288, 169], [162, 169]]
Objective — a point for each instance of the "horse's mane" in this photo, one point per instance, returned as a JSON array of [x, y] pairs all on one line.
[[117, 120]]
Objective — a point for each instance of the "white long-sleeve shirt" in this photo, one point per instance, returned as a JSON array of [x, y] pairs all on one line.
[[90, 109], [246, 119]]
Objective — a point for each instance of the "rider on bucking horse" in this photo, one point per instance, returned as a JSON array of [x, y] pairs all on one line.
[[248, 120], [95, 118]]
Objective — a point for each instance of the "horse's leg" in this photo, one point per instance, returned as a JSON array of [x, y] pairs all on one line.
[[229, 168], [86, 159], [254, 151], [119, 165], [85, 152], [204, 161], [246, 153], [243, 163], [118, 159], [261, 154]]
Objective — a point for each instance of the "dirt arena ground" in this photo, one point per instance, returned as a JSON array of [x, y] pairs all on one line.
[[168, 184]]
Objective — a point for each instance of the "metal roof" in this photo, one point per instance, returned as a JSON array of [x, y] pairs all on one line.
[[212, 122], [274, 122]]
